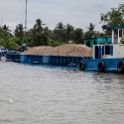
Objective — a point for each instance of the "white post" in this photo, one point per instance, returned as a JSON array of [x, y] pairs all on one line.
[[112, 36], [118, 36]]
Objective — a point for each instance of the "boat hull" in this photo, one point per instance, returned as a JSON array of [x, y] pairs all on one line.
[[110, 65]]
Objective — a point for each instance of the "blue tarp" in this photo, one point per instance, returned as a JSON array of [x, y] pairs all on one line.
[[24, 44]]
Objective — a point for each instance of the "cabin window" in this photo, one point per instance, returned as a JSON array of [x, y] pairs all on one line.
[[88, 43], [102, 50], [96, 52], [94, 43], [120, 33], [99, 52], [107, 50], [115, 33], [111, 50]]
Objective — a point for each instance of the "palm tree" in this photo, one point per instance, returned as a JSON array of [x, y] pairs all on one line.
[[19, 31], [60, 31], [69, 30], [5, 31], [38, 26], [78, 35], [0, 32], [90, 33], [91, 27], [59, 26]]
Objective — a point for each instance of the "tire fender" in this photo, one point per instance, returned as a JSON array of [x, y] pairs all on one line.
[[82, 66], [101, 66], [120, 66]]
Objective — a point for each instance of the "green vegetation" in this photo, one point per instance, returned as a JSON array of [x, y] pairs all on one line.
[[114, 17], [122, 38], [40, 34]]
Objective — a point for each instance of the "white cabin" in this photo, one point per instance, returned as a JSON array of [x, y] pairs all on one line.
[[114, 50]]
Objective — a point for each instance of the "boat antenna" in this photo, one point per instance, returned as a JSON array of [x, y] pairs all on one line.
[[26, 16]]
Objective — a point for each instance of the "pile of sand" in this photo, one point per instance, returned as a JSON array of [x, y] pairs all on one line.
[[39, 50], [64, 50]]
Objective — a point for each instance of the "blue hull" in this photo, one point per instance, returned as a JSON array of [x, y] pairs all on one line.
[[110, 65], [45, 59]]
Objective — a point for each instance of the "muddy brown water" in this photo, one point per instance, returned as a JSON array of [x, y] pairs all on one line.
[[43, 95]]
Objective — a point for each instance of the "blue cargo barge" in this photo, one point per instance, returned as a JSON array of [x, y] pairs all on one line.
[[106, 57], [69, 61]]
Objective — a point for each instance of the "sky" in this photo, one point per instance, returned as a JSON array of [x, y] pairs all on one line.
[[79, 13]]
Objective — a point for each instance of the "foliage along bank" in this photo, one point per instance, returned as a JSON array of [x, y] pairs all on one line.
[[40, 34]]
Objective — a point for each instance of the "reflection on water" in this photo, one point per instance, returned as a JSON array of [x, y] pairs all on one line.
[[42, 95]]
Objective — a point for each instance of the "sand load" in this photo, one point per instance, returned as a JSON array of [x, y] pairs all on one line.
[[63, 50]]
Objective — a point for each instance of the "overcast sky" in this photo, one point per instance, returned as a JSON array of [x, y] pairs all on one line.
[[78, 13]]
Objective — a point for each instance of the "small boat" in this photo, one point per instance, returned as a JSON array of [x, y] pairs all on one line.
[[107, 57]]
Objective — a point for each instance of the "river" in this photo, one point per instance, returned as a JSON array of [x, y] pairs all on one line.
[[43, 95]]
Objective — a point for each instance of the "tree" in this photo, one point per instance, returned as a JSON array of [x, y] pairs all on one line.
[[60, 32], [69, 29], [91, 27], [19, 34], [60, 26], [78, 35], [0, 32], [5, 32], [19, 31], [6, 29], [40, 39], [90, 33], [38, 26], [114, 17]]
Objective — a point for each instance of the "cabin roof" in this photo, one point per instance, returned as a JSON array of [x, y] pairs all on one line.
[[114, 27]]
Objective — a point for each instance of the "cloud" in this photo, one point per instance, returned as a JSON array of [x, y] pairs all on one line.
[[79, 13]]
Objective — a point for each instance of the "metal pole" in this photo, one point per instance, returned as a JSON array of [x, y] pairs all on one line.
[[1, 21], [26, 16]]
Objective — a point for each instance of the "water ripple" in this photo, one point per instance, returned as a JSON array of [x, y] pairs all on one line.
[[42, 95]]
